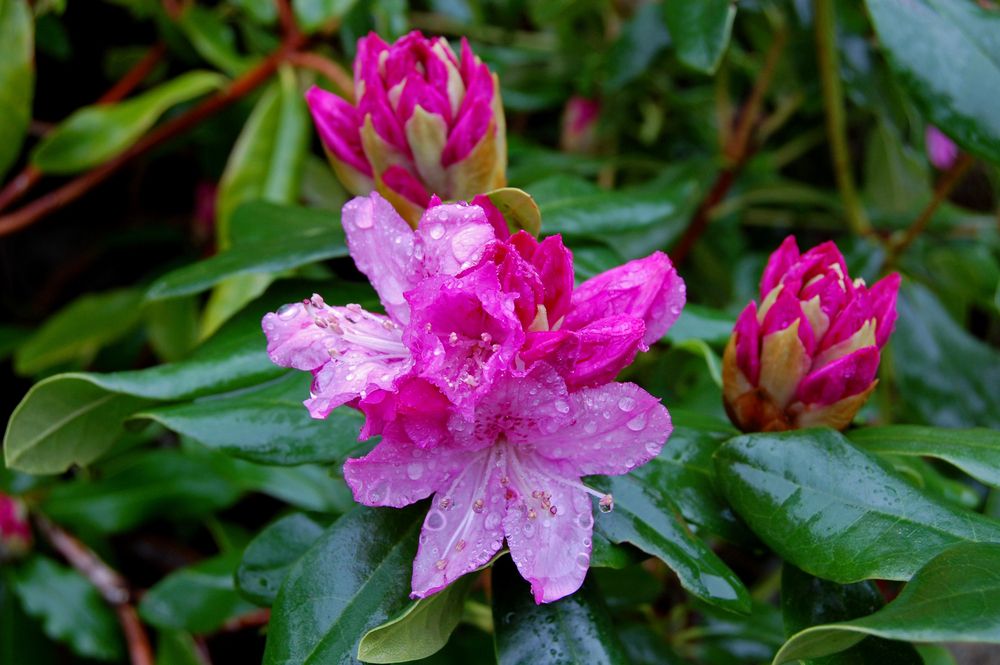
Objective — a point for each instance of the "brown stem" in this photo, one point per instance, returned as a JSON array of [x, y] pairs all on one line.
[[737, 150], [254, 619], [77, 187], [109, 583], [286, 17], [328, 68]]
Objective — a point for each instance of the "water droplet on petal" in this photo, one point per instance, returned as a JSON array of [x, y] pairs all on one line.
[[638, 423], [590, 427], [435, 520], [492, 521], [653, 448], [585, 520], [436, 231], [561, 406], [364, 221], [626, 404], [414, 470], [286, 312], [583, 560]]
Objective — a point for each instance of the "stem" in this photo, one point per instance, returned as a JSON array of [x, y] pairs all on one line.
[[836, 121], [109, 583], [333, 71]]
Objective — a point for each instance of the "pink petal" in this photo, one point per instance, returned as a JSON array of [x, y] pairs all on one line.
[[475, 120], [883, 303], [748, 343], [849, 320], [415, 412], [778, 264], [493, 214], [557, 348], [407, 185], [607, 346], [842, 378], [453, 237], [463, 529], [649, 289], [381, 244], [417, 92], [784, 312], [520, 279], [615, 428], [549, 526], [554, 263], [941, 150], [339, 126]]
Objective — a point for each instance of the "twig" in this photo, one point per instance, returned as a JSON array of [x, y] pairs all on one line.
[[328, 68], [111, 585], [737, 151], [286, 17], [254, 619], [836, 120]]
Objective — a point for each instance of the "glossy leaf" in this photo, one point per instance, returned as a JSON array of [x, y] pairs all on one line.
[[70, 608], [267, 237], [955, 597], [575, 629], [947, 54], [198, 599], [17, 77], [646, 517], [272, 553], [78, 331], [95, 134], [313, 15], [974, 451], [836, 511], [320, 617], [518, 208], [700, 30]]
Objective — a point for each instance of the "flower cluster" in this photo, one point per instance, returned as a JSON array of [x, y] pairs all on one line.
[[490, 380], [808, 355], [425, 123]]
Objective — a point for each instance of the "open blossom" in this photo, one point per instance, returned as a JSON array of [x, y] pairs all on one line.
[[808, 355], [490, 380], [15, 532], [425, 123]]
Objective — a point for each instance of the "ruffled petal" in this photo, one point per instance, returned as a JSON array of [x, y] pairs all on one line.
[[554, 263], [452, 237], [607, 346], [649, 289], [778, 264], [415, 411], [463, 529]]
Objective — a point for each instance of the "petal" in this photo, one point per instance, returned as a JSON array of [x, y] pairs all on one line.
[[415, 412], [397, 474], [519, 278], [381, 244], [842, 378], [293, 338], [941, 150], [557, 348], [407, 185], [786, 310], [607, 346], [475, 121], [549, 526], [339, 127], [464, 527], [452, 237], [747, 332], [554, 263], [778, 264], [649, 289], [615, 428], [493, 215]]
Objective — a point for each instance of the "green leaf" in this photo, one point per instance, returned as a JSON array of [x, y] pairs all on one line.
[[947, 55], [70, 608], [925, 476], [807, 601], [354, 578], [955, 597], [172, 326], [974, 451], [17, 78], [79, 330], [518, 208], [954, 382], [700, 30], [95, 134], [198, 599], [175, 647], [267, 237], [646, 517], [313, 15], [838, 512], [640, 40], [421, 630], [21, 638], [272, 553], [213, 39], [575, 629], [701, 323]]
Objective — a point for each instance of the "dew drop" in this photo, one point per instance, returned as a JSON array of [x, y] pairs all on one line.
[[590, 427], [286, 312], [626, 404], [606, 504], [492, 521], [653, 448], [436, 231], [364, 221], [638, 423], [585, 520], [414, 470], [561, 406], [582, 560]]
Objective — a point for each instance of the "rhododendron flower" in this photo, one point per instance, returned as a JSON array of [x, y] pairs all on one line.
[[425, 122], [808, 355], [15, 532], [490, 380], [579, 125], [941, 150]]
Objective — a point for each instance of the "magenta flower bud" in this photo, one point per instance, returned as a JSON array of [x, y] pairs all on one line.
[[15, 531], [579, 125], [426, 122], [941, 150], [808, 354]]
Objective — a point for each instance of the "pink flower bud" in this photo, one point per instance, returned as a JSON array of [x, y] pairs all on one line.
[[15, 532], [808, 354], [941, 150], [579, 125], [425, 122]]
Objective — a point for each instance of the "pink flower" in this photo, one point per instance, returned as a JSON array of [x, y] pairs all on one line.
[[809, 354], [15, 531], [941, 150], [425, 122], [579, 125], [490, 382]]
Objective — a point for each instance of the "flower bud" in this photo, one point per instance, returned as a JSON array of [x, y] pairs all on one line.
[[808, 355], [579, 125], [15, 532], [425, 122], [941, 150]]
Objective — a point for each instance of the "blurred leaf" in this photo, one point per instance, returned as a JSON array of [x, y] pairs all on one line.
[[646, 517], [698, 322], [79, 330], [309, 487], [896, 176], [807, 601], [353, 579], [944, 376], [955, 597], [230, 296], [313, 15], [198, 599], [70, 608], [17, 78], [94, 134], [947, 54], [837, 512], [22, 641], [421, 630], [267, 238], [272, 553], [213, 39], [267, 424], [172, 325], [640, 40], [175, 647], [974, 451], [727, 638], [700, 30], [575, 629]]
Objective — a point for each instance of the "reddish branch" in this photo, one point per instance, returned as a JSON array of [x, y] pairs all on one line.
[[109, 584], [254, 619]]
